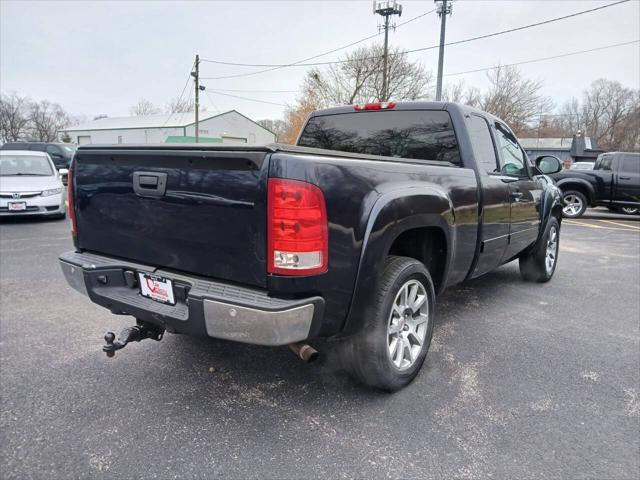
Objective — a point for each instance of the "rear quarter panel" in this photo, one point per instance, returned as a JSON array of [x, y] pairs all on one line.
[[369, 203]]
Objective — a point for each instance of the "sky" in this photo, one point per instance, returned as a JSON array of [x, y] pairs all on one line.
[[101, 57]]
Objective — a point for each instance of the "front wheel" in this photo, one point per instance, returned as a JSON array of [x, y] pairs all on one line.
[[575, 204], [539, 263], [393, 343]]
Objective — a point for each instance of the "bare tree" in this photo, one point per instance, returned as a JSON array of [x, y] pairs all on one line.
[[513, 98], [14, 117], [276, 126], [609, 112], [460, 93], [46, 119], [358, 78], [179, 105], [143, 107]]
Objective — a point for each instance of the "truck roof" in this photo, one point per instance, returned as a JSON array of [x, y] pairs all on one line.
[[412, 105]]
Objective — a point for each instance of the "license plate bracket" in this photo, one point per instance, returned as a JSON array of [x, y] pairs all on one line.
[[157, 288], [17, 206]]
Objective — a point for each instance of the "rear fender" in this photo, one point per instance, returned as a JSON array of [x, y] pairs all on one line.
[[393, 214]]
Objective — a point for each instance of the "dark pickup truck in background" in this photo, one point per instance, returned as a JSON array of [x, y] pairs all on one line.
[[614, 182], [349, 235]]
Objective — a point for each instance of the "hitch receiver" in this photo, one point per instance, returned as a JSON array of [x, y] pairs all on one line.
[[136, 333]]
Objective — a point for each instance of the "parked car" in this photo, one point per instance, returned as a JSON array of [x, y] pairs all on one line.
[[614, 182], [60, 153], [30, 185], [583, 166], [348, 235]]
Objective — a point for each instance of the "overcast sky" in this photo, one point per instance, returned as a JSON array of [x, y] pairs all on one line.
[[101, 57]]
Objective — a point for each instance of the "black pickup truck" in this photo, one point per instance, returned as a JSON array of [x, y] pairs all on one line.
[[614, 182], [348, 235]]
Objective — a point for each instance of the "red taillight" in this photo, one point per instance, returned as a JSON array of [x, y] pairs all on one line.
[[298, 240], [375, 106], [70, 202]]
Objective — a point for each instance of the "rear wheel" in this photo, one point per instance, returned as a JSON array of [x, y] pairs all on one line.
[[390, 349], [575, 204], [539, 264]]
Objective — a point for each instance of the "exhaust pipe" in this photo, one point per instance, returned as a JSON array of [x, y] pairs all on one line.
[[304, 352]]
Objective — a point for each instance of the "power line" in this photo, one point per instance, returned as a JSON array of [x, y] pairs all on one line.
[[516, 29], [480, 69], [457, 42], [542, 59], [180, 97], [247, 98], [256, 91], [277, 66]]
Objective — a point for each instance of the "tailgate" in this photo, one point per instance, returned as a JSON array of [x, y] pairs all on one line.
[[201, 211]]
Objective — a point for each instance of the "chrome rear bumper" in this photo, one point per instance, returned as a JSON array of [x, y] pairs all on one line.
[[203, 307]]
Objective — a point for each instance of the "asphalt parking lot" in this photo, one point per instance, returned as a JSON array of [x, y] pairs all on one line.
[[522, 381]]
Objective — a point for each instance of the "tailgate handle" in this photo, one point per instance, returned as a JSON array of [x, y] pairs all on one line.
[[149, 184]]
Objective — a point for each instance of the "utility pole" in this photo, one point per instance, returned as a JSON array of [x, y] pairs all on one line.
[[196, 77], [444, 9], [386, 9]]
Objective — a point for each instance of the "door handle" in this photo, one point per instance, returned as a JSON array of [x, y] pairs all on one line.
[[149, 184], [516, 196], [625, 178]]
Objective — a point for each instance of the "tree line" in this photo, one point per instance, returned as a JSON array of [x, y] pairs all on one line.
[[22, 119], [606, 111]]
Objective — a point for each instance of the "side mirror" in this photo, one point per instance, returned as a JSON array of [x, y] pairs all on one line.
[[548, 164], [63, 172]]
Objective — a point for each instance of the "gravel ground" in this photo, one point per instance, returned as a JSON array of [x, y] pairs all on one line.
[[522, 381]]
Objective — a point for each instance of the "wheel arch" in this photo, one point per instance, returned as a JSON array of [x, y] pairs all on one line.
[[397, 219], [579, 185]]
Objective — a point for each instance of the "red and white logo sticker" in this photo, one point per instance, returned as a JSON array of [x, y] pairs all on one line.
[[159, 289]]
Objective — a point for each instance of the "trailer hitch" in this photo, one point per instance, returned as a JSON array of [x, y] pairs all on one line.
[[136, 333]]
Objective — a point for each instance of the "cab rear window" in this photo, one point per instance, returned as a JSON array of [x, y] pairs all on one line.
[[414, 134]]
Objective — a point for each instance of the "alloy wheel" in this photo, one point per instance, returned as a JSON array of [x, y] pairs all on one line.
[[572, 205], [407, 325], [551, 253]]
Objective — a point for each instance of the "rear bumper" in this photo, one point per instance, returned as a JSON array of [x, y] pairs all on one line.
[[203, 307]]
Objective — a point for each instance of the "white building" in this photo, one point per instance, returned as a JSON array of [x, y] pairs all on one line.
[[228, 128]]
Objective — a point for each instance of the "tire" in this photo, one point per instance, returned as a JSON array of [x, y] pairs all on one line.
[[539, 264], [575, 204], [367, 356]]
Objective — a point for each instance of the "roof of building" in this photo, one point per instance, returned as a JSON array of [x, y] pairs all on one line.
[[546, 143], [161, 120]]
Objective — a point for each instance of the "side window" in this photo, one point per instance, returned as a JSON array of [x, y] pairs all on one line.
[[513, 158], [482, 142], [605, 163], [39, 147], [631, 164], [53, 150]]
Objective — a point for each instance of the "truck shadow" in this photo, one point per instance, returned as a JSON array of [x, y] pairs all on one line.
[[262, 371]]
